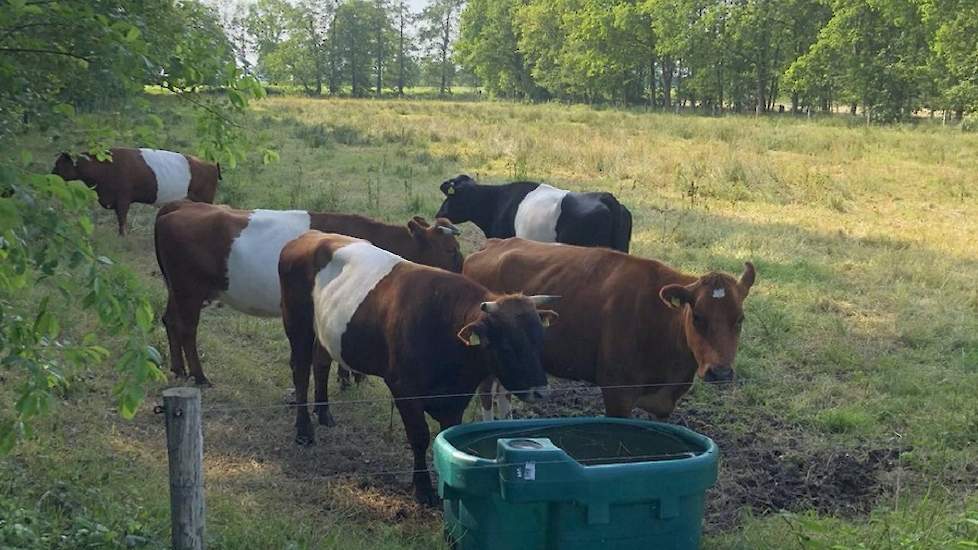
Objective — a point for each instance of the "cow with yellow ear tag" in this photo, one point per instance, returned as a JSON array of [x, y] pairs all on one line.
[[432, 335]]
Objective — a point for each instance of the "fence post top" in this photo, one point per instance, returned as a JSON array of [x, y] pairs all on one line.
[[182, 392]]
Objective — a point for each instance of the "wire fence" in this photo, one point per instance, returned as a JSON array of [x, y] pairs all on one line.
[[493, 463], [392, 399]]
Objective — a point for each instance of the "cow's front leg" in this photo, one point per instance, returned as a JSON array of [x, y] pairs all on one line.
[[122, 216], [298, 328], [321, 361], [412, 415]]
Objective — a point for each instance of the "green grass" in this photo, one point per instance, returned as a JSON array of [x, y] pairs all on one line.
[[861, 332]]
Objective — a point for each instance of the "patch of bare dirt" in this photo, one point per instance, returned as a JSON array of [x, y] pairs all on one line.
[[776, 467], [766, 465]]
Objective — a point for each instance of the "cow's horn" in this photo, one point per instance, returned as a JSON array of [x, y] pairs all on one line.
[[489, 307], [544, 300], [450, 230]]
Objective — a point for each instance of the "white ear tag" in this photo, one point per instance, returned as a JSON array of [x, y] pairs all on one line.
[[719, 292]]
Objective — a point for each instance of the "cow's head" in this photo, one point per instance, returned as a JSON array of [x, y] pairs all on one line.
[[712, 313], [509, 331], [65, 168], [437, 246], [460, 199]]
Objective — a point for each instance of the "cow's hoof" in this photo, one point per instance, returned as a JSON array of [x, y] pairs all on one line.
[[326, 418], [428, 498], [305, 440]]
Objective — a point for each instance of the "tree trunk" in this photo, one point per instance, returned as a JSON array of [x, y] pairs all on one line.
[[447, 30], [380, 59], [333, 65], [719, 87], [400, 55], [353, 70], [652, 82], [317, 56], [760, 88], [794, 103], [667, 66]]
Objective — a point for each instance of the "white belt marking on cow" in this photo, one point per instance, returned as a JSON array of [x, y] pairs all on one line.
[[536, 216], [342, 286], [172, 171], [253, 284]]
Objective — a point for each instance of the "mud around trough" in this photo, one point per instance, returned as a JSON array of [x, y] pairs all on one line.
[[766, 466]]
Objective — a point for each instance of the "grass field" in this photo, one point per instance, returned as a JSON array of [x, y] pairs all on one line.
[[855, 423]]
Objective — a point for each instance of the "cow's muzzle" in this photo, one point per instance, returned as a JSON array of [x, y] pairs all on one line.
[[719, 374]]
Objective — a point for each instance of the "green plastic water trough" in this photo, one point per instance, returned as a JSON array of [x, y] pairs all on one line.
[[574, 483]]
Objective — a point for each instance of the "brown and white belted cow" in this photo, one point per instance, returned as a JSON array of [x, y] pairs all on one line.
[[148, 176], [432, 335], [208, 252], [636, 327]]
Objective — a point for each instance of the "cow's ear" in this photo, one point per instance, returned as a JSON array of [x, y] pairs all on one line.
[[416, 229], [448, 188], [675, 296], [469, 335], [421, 221], [747, 279], [547, 316]]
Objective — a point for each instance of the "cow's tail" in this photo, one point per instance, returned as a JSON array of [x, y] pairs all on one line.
[[621, 224]]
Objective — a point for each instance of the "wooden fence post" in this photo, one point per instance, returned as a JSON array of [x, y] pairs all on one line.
[[185, 449]]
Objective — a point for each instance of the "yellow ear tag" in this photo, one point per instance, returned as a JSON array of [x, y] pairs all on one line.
[[474, 339], [545, 321], [450, 191], [675, 302]]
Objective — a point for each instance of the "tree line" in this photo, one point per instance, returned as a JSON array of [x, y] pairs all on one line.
[[887, 58]]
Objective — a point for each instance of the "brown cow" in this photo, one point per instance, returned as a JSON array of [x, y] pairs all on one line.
[[425, 331], [629, 321], [146, 176], [208, 252]]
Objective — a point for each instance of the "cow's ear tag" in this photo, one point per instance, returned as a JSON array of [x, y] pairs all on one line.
[[675, 302], [545, 321], [450, 190], [474, 339]]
